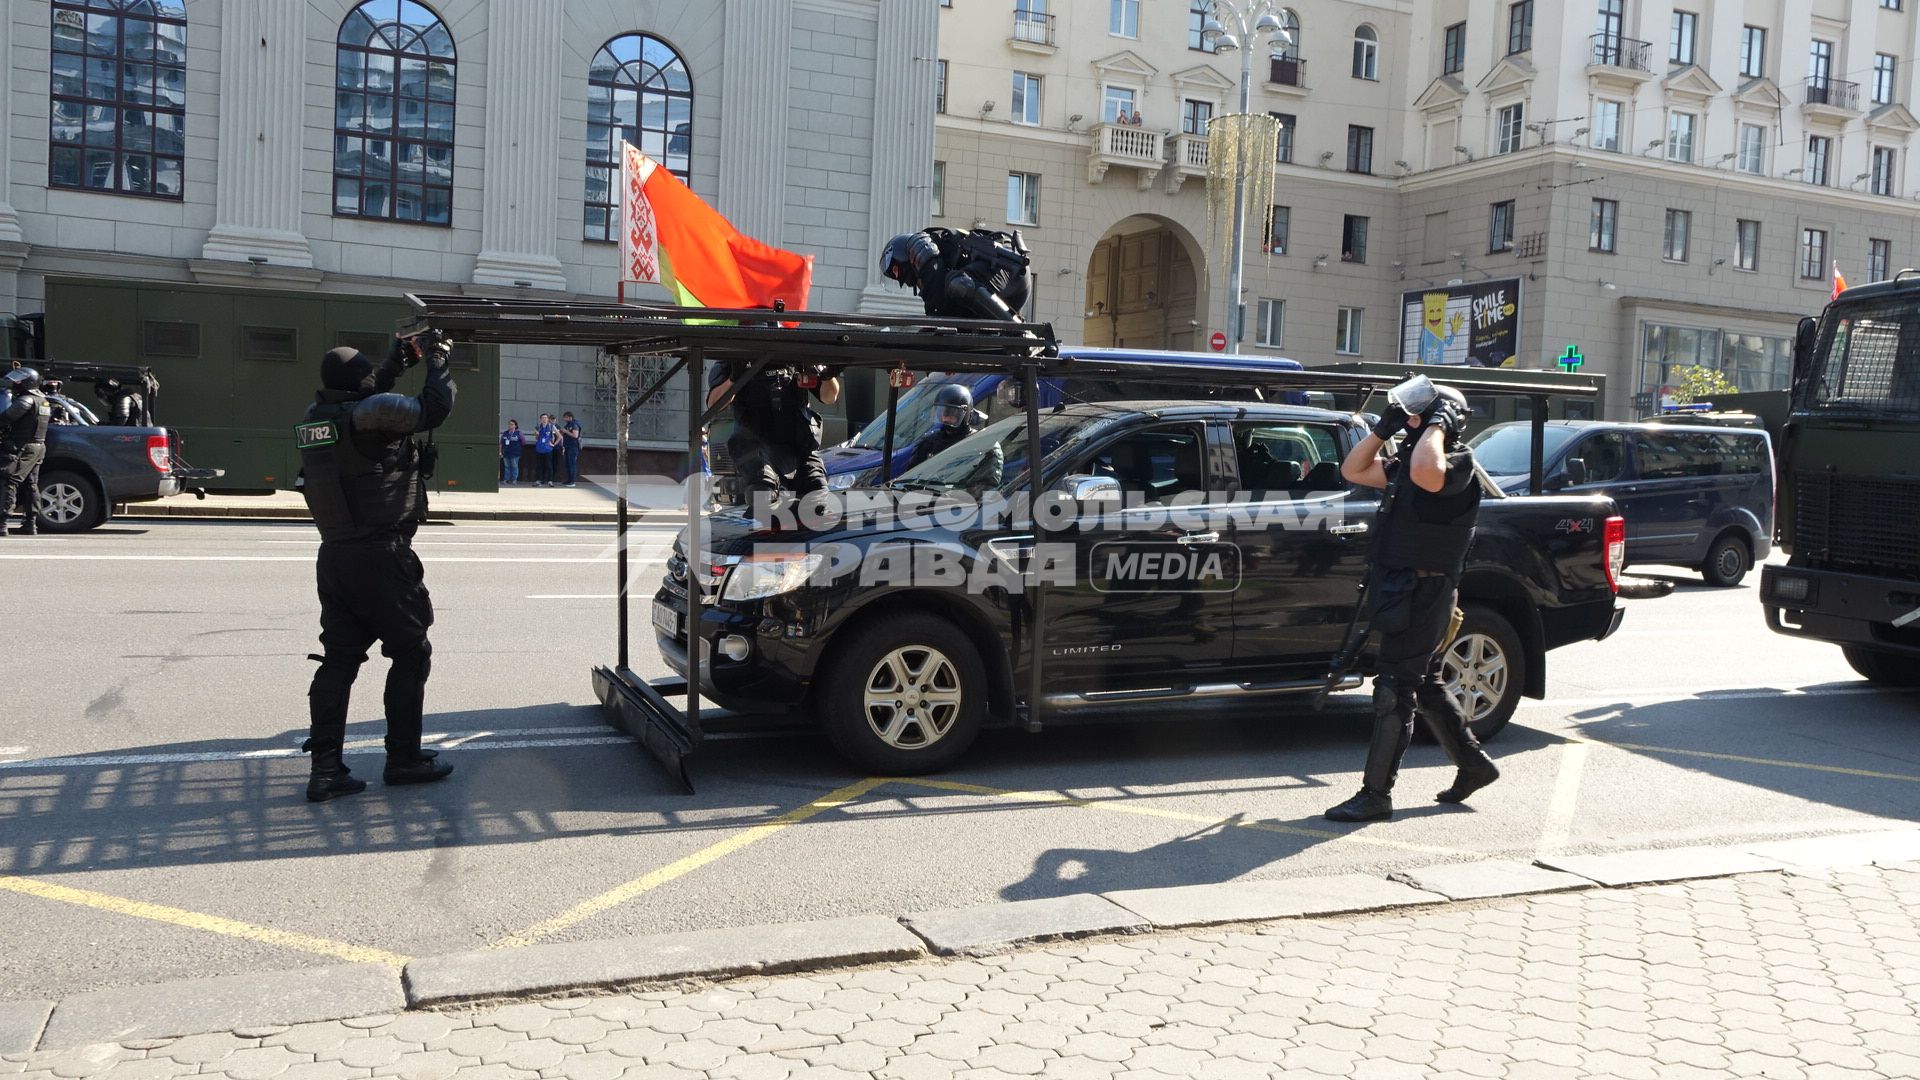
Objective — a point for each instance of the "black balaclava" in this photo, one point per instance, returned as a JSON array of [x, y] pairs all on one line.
[[347, 370]]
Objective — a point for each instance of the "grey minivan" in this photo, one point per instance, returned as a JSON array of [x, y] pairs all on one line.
[[1693, 496]]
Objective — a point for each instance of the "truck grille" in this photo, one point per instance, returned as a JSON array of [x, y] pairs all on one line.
[[1869, 523]]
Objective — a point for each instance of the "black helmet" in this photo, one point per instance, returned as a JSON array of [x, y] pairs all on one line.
[[1442, 395], [953, 406], [23, 380], [894, 263]]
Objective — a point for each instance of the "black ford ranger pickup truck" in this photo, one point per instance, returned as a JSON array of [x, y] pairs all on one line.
[[1190, 558]]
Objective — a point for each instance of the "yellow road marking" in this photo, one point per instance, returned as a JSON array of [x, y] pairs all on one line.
[[193, 920], [1566, 799], [1745, 760], [680, 867], [1180, 815]]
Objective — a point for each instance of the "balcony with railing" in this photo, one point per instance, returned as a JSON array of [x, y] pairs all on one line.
[[1138, 148], [1188, 156], [1621, 59], [1834, 99], [1032, 32], [1287, 75]]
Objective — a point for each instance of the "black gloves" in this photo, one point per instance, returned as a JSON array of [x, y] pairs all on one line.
[[438, 350], [1393, 420], [1450, 417]]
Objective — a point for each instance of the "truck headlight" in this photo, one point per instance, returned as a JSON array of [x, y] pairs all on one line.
[[765, 574], [1791, 589], [841, 481]]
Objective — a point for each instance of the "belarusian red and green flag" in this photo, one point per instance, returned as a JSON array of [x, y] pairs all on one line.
[[671, 238]]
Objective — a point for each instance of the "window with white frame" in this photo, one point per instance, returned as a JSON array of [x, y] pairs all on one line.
[[1123, 18], [1885, 178], [1026, 98], [1681, 41], [1819, 71], [1752, 150], [1509, 125], [1500, 227], [1023, 198], [1607, 117], [1819, 159], [1879, 260], [939, 189], [1270, 328], [1677, 236], [1753, 52], [1680, 128], [1886, 69], [1195, 116], [1366, 53], [1279, 224], [1813, 254], [1746, 244], [940, 86], [1117, 103], [1346, 336]]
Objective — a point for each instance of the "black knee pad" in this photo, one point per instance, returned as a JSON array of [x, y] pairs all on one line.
[[415, 657], [1391, 695], [337, 670]]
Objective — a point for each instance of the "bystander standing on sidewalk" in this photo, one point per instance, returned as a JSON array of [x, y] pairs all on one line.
[[570, 435], [546, 439], [511, 442]]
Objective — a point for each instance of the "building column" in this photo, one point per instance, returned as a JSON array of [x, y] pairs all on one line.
[[902, 199], [518, 245], [262, 126], [13, 240], [755, 89]]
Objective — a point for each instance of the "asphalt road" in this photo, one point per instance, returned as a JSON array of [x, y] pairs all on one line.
[[152, 825]]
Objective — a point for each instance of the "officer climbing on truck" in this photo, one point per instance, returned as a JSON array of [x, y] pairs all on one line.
[[977, 274]]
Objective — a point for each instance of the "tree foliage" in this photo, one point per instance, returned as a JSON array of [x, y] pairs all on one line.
[[1698, 383]]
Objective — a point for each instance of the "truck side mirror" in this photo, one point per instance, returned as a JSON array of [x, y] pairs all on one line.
[[1804, 338], [1084, 488], [1576, 472]]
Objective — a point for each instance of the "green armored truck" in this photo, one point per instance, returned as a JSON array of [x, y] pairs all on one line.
[[1848, 468]]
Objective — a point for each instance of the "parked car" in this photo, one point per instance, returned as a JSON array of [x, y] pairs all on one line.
[[1698, 496], [1117, 640], [93, 466]]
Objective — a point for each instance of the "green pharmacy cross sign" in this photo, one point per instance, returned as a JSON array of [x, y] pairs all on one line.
[[1572, 359]]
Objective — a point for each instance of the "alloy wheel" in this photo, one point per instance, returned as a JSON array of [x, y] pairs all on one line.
[[1475, 673], [912, 697], [62, 504]]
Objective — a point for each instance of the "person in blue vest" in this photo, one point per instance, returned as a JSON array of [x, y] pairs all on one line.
[[511, 440], [546, 440], [570, 443]]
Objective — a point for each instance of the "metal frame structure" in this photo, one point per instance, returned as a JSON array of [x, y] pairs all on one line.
[[695, 336]]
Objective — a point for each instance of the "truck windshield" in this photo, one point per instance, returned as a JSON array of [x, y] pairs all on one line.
[[994, 458], [1507, 449], [913, 415], [1869, 363]]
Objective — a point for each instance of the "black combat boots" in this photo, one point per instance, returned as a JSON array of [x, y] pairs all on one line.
[[420, 769], [1449, 726], [330, 778], [1369, 805]]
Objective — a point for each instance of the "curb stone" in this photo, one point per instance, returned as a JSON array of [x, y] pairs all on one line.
[[228, 1002], [976, 930], [200, 1006], [537, 970]]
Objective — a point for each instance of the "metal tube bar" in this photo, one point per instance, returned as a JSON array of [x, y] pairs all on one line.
[[647, 394], [754, 368], [1036, 595], [1537, 453], [620, 503], [893, 405], [698, 573]]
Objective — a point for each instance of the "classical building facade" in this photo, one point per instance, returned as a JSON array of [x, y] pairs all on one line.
[[1655, 184], [387, 146]]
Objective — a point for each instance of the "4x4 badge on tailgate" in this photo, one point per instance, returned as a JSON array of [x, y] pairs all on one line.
[[1574, 525]]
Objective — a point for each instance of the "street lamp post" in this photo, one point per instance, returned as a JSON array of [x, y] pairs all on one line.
[[1249, 17]]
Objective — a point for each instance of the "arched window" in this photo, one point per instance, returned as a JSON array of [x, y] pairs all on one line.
[[638, 91], [119, 96], [1366, 53], [393, 114], [1291, 24]]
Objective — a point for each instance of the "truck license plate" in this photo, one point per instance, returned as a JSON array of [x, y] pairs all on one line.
[[666, 620]]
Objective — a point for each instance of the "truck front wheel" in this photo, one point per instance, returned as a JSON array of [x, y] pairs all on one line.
[[906, 695], [1485, 670], [69, 503], [1885, 668]]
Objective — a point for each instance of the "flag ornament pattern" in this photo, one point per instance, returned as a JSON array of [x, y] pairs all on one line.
[[670, 237]]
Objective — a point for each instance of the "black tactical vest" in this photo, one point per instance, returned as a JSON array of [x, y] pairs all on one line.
[[352, 495], [31, 427], [773, 405], [1427, 530]]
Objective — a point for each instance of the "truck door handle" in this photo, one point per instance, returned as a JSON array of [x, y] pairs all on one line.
[[1348, 530], [1198, 538]]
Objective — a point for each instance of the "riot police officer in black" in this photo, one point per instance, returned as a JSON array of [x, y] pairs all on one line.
[[775, 443], [364, 478], [1420, 549], [954, 420], [977, 274], [25, 413]]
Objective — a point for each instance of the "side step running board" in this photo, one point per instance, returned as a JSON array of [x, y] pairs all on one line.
[[1196, 692]]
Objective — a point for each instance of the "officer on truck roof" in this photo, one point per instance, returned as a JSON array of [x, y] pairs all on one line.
[[978, 274], [364, 479]]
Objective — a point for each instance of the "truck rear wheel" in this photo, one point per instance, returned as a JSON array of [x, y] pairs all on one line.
[[69, 502], [906, 695], [1885, 668], [1485, 670]]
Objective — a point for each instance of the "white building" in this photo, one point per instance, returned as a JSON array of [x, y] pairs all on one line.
[[390, 146], [1669, 183]]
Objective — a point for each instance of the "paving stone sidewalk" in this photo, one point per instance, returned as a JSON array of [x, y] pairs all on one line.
[[1814, 974]]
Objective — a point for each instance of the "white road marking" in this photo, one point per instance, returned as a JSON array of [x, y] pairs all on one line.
[[530, 738], [1690, 695], [573, 596], [1566, 800]]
